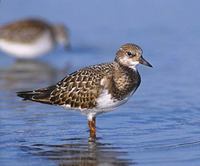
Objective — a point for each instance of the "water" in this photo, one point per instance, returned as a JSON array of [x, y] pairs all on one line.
[[160, 123]]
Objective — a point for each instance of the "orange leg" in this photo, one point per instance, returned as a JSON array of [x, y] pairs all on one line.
[[92, 126]]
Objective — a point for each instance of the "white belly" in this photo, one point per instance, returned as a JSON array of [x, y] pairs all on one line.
[[28, 50], [105, 101], [104, 104]]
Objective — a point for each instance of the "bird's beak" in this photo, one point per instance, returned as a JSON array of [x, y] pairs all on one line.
[[144, 62]]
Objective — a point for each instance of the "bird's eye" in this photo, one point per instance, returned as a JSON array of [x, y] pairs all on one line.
[[129, 53]]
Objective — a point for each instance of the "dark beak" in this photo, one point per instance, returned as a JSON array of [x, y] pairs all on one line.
[[144, 62]]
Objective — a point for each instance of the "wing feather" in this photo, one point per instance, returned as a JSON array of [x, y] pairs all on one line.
[[81, 88]]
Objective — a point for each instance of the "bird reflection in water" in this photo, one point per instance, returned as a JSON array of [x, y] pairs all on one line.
[[81, 153], [28, 73]]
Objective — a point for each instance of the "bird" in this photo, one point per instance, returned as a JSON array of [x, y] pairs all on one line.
[[31, 37], [97, 88]]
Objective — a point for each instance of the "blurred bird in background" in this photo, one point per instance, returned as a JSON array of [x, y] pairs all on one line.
[[30, 38]]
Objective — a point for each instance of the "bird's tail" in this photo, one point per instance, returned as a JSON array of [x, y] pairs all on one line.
[[39, 95]]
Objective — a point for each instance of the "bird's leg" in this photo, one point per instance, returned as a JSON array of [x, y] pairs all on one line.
[[92, 126]]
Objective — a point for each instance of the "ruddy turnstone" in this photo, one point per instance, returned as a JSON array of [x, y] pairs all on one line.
[[95, 89], [31, 38]]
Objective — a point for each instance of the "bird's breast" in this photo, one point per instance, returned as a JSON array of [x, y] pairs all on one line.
[[106, 101], [125, 84]]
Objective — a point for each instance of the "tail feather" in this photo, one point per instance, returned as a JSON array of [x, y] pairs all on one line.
[[39, 95]]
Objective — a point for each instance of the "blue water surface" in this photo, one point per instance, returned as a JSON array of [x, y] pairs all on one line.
[[160, 124]]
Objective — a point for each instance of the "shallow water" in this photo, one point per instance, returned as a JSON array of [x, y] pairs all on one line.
[[158, 126]]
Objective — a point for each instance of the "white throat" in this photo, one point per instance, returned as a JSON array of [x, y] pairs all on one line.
[[127, 62], [133, 65]]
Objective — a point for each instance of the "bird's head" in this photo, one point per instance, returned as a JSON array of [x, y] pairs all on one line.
[[130, 55], [62, 35]]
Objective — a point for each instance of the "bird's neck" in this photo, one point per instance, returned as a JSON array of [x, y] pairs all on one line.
[[125, 80]]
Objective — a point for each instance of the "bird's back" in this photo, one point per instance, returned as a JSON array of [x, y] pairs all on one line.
[[23, 31], [78, 90]]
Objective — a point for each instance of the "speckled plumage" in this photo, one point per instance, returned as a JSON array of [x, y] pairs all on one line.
[[95, 88], [82, 88]]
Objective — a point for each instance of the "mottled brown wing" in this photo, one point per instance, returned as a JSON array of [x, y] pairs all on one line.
[[23, 31], [79, 90]]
